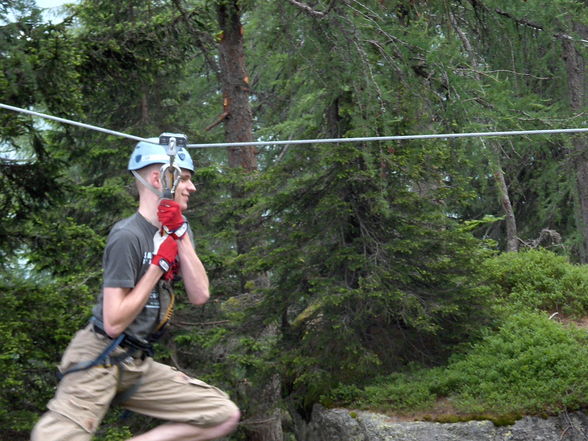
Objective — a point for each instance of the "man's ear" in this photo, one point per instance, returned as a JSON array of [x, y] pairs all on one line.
[[155, 178]]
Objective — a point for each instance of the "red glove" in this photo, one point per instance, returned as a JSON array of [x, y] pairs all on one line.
[[172, 273], [166, 254], [170, 215]]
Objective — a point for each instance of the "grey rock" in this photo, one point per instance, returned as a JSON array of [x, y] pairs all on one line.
[[348, 425]]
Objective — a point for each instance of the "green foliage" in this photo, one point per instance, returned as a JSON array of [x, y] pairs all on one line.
[[402, 393], [530, 365], [471, 225], [364, 269], [37, 319], [115, 434], [357, 267], [538, 279]]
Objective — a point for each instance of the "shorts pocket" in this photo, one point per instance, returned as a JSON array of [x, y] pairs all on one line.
[[180, 377], [168, 394], [84, 396]]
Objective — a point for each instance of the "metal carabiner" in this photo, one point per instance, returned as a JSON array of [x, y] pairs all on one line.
[[170, 177], [170, 173]]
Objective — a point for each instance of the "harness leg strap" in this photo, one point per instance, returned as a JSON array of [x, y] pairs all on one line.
[[103, 358]]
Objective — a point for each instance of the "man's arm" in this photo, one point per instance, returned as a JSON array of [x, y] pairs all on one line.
[[193, 272], [122, 305], [191, 268]]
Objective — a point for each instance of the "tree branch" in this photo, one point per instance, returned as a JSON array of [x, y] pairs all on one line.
[[199, 34], [526, 23], [191, 324], [306, 8]]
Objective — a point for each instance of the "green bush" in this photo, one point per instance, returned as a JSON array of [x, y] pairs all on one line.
[[402, 395], [413, 390], [538, 279], [113, 433], [531, 365], [37, 319]]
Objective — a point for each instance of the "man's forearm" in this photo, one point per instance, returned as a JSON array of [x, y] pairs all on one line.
[[193, 272]]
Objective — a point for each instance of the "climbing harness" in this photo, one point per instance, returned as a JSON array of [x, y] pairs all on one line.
[[104, 359], [132, 345], [134, 348], [164, 287]]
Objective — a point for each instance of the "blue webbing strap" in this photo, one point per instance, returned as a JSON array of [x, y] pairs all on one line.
[[101, 359]]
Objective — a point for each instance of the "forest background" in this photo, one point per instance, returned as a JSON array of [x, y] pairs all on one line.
[[439, 279]]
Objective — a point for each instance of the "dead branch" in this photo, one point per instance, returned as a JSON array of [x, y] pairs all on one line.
[[306, 8], [218, 120], [526, 23], [215, 323]]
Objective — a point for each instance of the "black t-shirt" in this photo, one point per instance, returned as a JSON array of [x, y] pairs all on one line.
[[127, 257]]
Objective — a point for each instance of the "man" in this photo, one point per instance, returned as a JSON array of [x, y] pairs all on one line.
[[110, 359]]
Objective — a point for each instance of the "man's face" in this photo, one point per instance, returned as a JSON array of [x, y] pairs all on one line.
[[184, 189]]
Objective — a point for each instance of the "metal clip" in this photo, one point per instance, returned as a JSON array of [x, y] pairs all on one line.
[[171, 148], [170, 177], [171, 173]]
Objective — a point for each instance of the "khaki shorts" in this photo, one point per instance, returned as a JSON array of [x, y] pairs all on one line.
[[83, 398]]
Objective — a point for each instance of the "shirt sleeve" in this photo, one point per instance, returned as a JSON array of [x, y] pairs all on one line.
[[122, 260]]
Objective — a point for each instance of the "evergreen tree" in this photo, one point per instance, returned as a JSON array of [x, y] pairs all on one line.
[[361, 253]]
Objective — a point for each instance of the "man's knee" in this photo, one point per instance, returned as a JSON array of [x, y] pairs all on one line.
[[55, 427], [233, 420], [228, 421]]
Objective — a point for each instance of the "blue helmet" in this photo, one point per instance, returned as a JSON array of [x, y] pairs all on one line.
[[146, 153]]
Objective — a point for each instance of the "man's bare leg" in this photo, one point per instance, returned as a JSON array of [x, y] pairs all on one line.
[[188, 432]]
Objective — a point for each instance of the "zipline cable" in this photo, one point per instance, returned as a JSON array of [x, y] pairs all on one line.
[[74, 123], [305, 141], [389, 138]]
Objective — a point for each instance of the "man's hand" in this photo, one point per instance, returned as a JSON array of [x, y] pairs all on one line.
[[165, 254], [170, 217]]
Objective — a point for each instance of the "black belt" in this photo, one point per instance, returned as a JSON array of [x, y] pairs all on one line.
[[142, 349]]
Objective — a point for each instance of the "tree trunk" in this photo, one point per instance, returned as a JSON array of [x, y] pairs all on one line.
[[238, 120], [237, 115], [266, 429], [576, 90], [265, 423], [512, 241]]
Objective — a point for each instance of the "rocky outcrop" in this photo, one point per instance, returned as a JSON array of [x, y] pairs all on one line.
[[346, 425]]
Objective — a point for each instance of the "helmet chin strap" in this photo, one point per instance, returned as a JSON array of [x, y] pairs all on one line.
[[168, 186], [147, 184]]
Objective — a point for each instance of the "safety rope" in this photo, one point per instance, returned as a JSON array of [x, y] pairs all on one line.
[[307, 141]]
